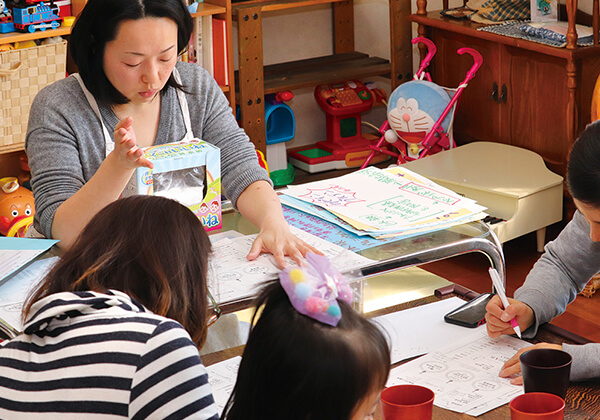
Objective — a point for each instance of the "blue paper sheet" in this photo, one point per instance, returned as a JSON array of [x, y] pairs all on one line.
[[331, 232]]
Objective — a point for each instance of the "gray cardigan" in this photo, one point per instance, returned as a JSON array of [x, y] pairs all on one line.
[[555, 280], [65, 144]]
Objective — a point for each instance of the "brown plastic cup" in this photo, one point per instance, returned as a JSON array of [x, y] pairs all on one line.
[[407, 402], [537, 406], [546, 370]]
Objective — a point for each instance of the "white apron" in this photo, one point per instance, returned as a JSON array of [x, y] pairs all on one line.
[[109, 142]]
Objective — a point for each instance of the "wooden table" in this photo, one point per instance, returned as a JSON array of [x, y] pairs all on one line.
[[583, 398]]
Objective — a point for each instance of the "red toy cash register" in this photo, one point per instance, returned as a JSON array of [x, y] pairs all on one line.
[[345, 147]]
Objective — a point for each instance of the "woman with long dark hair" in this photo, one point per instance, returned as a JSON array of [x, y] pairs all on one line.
[[114, 329]]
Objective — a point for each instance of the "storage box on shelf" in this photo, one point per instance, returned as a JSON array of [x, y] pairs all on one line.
[[23, 73], [525, 94], [254, 80]]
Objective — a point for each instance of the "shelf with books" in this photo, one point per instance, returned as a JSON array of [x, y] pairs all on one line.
[[212, 28], [254, 80], [208, 9]]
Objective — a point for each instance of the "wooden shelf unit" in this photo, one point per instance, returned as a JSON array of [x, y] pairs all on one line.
[[525, 94], [254, 80]]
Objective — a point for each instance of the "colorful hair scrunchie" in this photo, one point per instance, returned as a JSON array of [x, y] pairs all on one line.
[[314, 289]]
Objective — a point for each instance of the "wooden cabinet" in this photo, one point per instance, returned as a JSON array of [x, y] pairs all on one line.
[[255, 80], [525, 94]]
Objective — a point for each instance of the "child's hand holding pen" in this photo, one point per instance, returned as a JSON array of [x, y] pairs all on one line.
[[498, 319]]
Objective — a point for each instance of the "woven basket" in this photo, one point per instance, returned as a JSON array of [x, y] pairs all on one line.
[[23, 73]]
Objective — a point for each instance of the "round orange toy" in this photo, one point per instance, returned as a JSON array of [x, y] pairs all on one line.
[[16, 207]]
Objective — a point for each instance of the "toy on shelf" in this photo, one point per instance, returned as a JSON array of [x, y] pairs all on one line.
[[25, 3], [30, 43], [16, 207], [420, 113], [6, 19], [346, 146], [36, 17], [280, 128]]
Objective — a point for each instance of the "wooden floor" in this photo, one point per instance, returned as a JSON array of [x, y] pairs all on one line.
[[582, 316]]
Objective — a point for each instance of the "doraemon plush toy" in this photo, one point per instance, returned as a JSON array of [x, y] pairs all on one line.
[[413, 109]]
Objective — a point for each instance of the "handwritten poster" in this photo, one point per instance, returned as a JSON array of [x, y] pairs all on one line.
[[375, 200]]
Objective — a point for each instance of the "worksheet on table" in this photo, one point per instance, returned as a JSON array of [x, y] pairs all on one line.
[[232, 276], [222, 377], [17, 252], [422, 329], [464, 374], [15, 290]]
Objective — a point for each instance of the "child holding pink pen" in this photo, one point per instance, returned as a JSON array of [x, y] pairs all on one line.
[[563, 270]]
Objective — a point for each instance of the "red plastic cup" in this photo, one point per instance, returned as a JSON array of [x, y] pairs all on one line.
[[537, 406], [407, 402]]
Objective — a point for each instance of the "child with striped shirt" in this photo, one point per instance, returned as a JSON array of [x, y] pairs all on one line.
[[113, 331]]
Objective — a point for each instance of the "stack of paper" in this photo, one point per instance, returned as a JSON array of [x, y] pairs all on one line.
[[383, 203]]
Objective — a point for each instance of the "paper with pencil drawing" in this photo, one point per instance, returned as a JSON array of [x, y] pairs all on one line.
[[464, 375], [232, 276]]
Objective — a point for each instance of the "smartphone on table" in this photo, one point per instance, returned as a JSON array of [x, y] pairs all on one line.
[[471, 314]]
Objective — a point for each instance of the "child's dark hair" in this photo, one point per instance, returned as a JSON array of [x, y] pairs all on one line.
[[99, 23], [583, 170], [154, 249], [294, 367]]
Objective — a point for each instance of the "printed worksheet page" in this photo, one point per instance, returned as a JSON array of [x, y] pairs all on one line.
[[464, 374], [232, 276], [222, 377]]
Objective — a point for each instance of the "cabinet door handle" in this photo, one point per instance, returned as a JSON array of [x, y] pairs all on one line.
[[494, 95], [503, 95]]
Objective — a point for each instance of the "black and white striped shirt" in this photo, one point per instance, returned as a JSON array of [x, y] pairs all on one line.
[[88, 355]]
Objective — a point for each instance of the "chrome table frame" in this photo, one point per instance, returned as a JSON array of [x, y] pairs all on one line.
[[404, 253]]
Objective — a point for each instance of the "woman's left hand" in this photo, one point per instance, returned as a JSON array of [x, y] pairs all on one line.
[[513, 366], [277, 239]]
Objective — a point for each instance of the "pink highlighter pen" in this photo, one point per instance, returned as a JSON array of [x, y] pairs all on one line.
[[500, 290]]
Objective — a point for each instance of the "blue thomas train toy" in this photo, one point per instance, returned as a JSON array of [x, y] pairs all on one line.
[[6, 19], [36, 17]]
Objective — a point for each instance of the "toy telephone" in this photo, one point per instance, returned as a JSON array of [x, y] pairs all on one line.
[[350, 96], [345, 145]]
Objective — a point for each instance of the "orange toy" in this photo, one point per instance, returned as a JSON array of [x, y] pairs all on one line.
[[16, 207]]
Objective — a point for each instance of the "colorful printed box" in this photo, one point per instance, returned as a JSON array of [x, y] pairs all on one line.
[[187, 171]]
